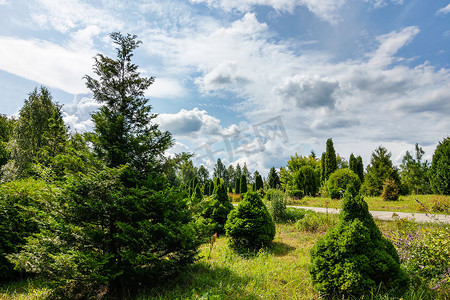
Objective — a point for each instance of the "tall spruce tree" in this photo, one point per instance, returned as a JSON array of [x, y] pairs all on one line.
[[123, 125], [353, 163]]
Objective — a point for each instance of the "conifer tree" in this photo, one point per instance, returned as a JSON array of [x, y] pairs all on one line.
[[330, 159], [274, 179], [243, 184]]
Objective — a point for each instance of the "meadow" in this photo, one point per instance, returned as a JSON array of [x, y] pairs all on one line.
[[428, 203], [279, 272]]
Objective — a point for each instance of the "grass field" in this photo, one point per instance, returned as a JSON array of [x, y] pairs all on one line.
[[434, 203], [280, 272]]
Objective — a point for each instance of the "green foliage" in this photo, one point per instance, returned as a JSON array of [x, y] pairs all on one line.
[[380, 168], [414, 172], [215, 211], [306, 180], [250, 226], [203, 175], [107, 234], [296, 194], [243, 184], [38, 135], [237, 185], [360, 168], [124, 130], [298, 175], [353, 258], [220, 171], [23, 207], [314, 221], [258, 183], [339, 181], [330, 159], [276, 204], [440, 168], [6, 127], [390, 190], [274, 179]]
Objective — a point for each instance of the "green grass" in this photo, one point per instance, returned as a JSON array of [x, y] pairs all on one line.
[[435, 203], [280, 272]]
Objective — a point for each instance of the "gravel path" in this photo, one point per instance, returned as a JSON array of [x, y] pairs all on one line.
[[388, 215]]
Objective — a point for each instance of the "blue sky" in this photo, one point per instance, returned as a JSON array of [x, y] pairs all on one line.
[[250, 81]]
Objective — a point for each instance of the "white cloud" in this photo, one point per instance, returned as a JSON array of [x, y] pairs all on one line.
[[390, 43], [78, 114], [225, 75], [444, 10], [324, 9], [167, 88], [47, 63], [192, 123], [382, 3], [4, 2], [65, 16]]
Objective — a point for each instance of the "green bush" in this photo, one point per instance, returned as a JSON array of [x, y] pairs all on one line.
[[250, 226], [276, 204], [23, 207], [339, 180], [216, 209], [390, 190], [353, 258], [440, 168]]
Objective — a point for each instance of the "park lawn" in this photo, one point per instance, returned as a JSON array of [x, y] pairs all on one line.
[[431, 203], [277, 273]]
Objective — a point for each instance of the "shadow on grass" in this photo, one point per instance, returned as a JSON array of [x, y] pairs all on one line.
[[202, 281], [280, 249]]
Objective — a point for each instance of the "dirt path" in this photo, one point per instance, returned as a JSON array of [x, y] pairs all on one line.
[[388, 215]]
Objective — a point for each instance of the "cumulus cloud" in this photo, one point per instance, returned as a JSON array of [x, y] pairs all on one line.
[[189, 123], [308, 92], [78, 114], [225, 75]]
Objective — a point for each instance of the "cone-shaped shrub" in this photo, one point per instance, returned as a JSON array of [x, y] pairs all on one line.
[[390, 190], [354, 258], [250, 226], [216, 210]]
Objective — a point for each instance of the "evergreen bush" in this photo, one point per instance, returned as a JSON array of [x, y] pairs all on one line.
[[215, 211], [390, 190], [339, 180], [440, 168], [250, 226], [353, 258]]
